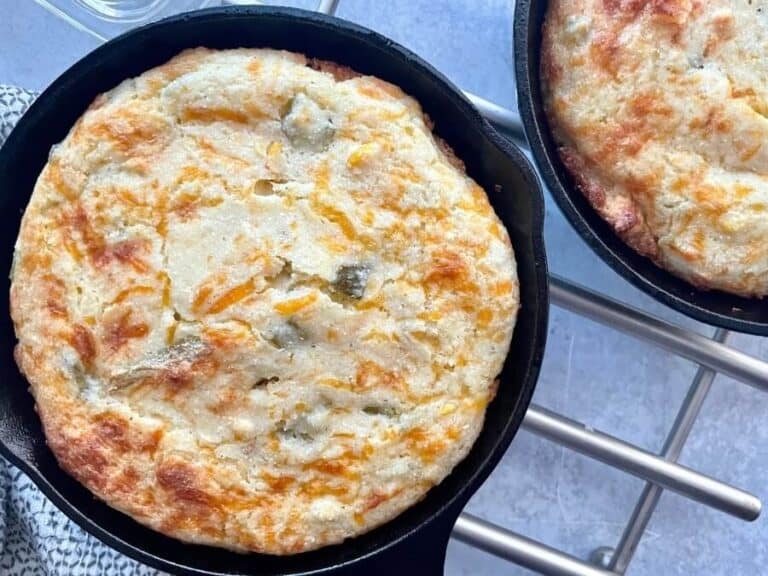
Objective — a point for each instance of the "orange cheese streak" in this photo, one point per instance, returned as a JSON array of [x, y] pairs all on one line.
[[334, 215], [287, 307], [200, 114], [418, 443], [201, 297], [123, 294], [232, 296], [330, 212]]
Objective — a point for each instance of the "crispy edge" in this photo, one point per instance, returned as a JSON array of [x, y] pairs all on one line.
[[338, 71], [120, 464], [624, 217]]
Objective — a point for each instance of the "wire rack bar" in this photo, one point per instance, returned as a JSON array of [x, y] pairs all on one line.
[[641, 463], [673, 447], [328, 6], [630, 320], [503, 118], [521, 550]]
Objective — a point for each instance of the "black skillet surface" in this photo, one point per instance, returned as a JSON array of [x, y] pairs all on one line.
[[713, 307], [414, 542]]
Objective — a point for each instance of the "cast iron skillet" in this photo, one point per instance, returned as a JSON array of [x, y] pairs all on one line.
[[415, 541], [713, 307]]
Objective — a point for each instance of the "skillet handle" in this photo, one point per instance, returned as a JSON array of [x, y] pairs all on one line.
[[420, 553]]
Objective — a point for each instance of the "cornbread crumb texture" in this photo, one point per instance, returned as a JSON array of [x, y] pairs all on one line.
[[661, 109], [258, 305]]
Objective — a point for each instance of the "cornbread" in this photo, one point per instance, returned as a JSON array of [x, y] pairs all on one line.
[[259, 304], [661, 111]]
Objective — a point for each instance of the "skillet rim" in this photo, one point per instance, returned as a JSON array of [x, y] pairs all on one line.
[[350, 32]]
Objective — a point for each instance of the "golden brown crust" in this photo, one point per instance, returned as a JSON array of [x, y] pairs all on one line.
[[339, 72], [238, 308], [659, 110], [627, 221]]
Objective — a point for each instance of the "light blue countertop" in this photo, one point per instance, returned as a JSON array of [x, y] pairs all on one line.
[[591, 373]]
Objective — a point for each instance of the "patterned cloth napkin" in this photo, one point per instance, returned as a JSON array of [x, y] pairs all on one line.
[[35, 538]]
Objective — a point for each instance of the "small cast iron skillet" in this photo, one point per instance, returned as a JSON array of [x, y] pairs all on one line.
[[713, 307], [414, 542]]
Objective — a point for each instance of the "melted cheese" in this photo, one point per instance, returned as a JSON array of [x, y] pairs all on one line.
[[259, 306], [662, 111]]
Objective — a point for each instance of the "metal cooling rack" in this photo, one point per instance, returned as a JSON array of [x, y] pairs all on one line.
[[660, 471]]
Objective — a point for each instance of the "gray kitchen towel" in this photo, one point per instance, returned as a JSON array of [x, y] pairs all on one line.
[[35, 538]]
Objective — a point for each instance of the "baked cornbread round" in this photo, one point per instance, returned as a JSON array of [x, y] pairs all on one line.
[[661, 109], [259, 304]]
